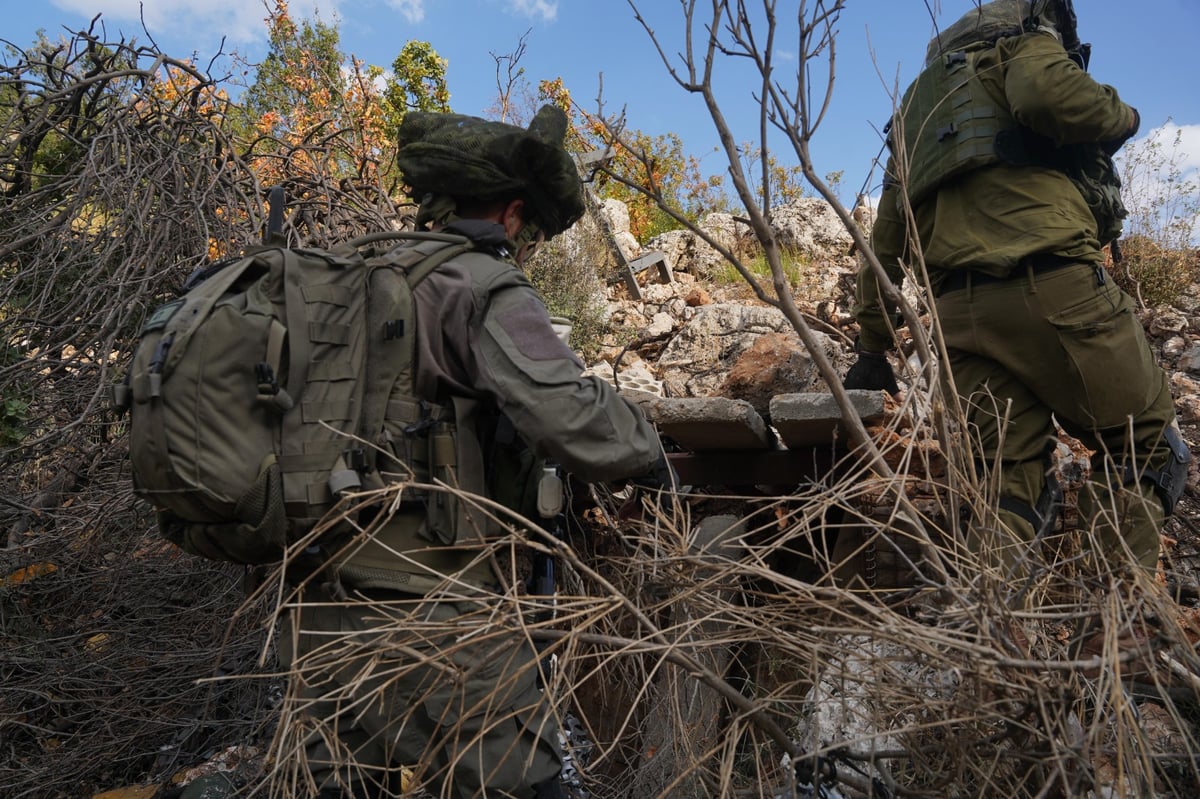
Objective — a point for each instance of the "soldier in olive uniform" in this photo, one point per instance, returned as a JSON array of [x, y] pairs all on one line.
[[491, 364], [995, 131]]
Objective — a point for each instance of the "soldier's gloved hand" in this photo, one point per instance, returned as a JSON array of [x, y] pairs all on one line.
[[871, 372], [661, 477]]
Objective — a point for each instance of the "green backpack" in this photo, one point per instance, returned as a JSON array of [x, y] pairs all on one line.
[[259, 397]]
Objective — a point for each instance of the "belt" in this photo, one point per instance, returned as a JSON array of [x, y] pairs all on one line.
[[1038, 263]]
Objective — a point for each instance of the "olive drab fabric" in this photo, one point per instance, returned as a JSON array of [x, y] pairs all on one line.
[[1035, 331], [260, 396], [461, 156], [487, 351], [1065, 348], [988, 219], [984, 23], [488, 359], [952, 121], [948, 125], [489, 731]]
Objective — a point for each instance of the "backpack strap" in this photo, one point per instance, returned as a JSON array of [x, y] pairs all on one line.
[[413, 264]]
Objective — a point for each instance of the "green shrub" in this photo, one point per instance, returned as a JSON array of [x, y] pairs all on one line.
[[1163, 199], [1153, 273], [569, 274], [14, 412], [794, 267]]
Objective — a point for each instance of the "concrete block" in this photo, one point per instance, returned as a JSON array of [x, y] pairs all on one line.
[[636, 384], [707, 423], [813, 419]]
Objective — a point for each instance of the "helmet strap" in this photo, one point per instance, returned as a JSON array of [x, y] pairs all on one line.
[[436, 210]]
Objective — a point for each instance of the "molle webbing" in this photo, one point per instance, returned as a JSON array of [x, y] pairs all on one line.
[[947, 124]]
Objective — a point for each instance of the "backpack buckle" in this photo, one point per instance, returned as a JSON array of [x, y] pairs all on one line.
[[269, 392], [356, 459]]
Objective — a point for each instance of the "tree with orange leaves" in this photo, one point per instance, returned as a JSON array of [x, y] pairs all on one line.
[[308, 92], [641, 167]]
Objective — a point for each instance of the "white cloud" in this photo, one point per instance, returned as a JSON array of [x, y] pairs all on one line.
[[1169, 148], [238, 21], [411, 10], [546, 9], [1161, 175]]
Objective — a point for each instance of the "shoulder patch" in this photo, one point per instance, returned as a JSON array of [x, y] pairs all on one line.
[[528, 327]]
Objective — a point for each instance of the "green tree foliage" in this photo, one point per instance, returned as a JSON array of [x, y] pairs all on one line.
[[301, 72], [64, 115], [417, 83], [785, 184], [307, 90]]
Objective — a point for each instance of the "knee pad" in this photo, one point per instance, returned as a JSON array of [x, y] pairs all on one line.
[[1170, 481]]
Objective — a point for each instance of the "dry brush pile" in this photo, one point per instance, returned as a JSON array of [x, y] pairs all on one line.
[[698, 646], [117, 179]]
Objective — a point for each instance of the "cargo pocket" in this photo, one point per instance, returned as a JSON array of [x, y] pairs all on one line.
[[1114, 372]]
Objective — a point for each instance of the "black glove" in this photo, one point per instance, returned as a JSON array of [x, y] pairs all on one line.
[[1111, 146], [872, 372], [661, 478]]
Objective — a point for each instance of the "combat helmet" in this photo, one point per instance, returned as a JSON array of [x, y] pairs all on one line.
[[984, 23], [459, 156]]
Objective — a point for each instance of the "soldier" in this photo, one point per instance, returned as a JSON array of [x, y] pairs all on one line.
[[468, 712], [1007, 144]]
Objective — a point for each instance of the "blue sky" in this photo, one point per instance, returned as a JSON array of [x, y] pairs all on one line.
[[1145, 49]]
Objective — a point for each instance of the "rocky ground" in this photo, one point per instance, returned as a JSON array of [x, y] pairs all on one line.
[[697, 336]]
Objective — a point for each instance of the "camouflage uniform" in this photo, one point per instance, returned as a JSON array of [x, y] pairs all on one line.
[[474, 718], [1034, 329]]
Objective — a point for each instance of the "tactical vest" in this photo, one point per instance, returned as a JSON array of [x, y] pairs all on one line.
[[947, 125], [950, 126]]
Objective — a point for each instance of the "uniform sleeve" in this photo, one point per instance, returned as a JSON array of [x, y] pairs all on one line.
[[537, 381], [1052, 96], [871, 309]]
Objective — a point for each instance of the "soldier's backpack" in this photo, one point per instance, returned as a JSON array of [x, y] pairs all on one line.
[[259, 396]]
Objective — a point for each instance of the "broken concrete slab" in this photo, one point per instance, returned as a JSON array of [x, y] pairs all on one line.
[[636, 383], [812, 419], [707, 423]]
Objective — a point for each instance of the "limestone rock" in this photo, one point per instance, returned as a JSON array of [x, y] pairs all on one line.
[[775, 363], [696, 361]]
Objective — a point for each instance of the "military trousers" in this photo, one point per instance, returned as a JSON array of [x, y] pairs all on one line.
[[1062, 346], [387, 683]]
